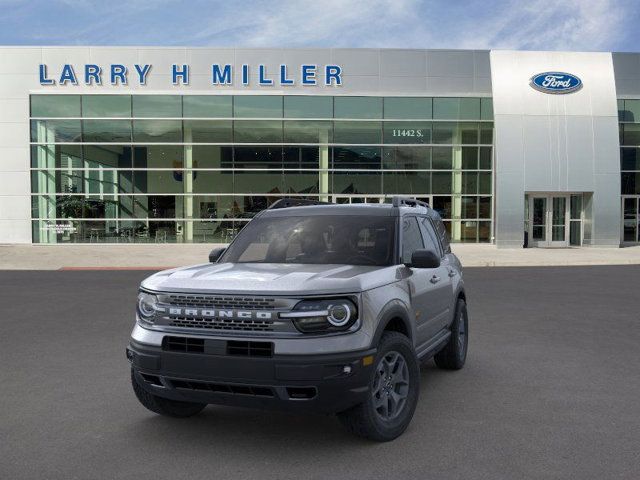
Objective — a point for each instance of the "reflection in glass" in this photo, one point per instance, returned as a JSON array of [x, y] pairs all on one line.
[[97, 131], [55, 105], [402, 108], [307, 132], [49, 131], [407, 158], [303, 106], [157, 106], [357, 107], [356, 182], [157, 131], [357, 157], [207, 131], [257, 131], [56, 156], [406, 183], [110, 106], [456, 108], [441, 182], [357, 132], [207, 106], [257, 106]]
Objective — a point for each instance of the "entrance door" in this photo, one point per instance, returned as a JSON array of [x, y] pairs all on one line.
[[630, 220], [548, 220]]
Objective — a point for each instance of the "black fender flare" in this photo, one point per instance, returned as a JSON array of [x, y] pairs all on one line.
[[393, 309]]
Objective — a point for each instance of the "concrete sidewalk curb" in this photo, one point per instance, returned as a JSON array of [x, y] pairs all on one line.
[[159, 256]]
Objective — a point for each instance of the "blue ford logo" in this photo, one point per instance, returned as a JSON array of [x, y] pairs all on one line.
[[556, 82]]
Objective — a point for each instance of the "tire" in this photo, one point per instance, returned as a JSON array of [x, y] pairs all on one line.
[[368, 419], [164, 406], [454, 354]]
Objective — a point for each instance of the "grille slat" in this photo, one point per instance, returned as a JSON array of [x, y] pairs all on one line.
[[222, 324], [206, 301], [249, 390]]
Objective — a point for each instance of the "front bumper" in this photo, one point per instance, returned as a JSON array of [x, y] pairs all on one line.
[[309, 383]]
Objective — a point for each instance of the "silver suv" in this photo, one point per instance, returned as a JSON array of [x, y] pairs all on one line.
[[312, 307]]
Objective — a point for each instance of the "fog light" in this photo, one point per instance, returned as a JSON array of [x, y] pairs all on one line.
[[346, 369]]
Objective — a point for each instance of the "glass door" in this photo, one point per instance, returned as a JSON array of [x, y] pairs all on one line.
[[538, 222], [630, 219], [548, 220], [558, 222]]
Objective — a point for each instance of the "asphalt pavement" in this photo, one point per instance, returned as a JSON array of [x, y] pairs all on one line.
[[551, 390]]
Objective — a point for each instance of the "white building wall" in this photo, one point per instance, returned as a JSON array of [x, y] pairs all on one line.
[[365, 72], [555, 143]]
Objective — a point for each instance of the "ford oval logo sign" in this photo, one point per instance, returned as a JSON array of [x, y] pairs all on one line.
[[556, 82]]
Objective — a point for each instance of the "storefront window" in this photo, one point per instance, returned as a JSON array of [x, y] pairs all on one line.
[[257, 106], [55, 106], [157, 106], [402, 108], [104, 131], [308, 107], [208, 131], [207, 106], [196, 168], [357, 107], [456, 108], [157, 131], [112, 106]]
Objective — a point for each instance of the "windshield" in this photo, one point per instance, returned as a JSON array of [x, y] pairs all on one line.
[[339, 239]]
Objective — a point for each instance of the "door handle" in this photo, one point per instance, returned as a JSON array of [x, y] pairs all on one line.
[[452, 273], [435, 279]]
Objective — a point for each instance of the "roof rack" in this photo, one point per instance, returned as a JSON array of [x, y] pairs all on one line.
[[408, 202], [295, 202]]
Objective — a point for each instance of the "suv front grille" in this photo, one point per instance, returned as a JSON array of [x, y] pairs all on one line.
[[222, 324], [216, 301], [225, 314]]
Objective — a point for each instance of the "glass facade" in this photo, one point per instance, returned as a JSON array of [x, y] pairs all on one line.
[[629, 118], [172, 168]]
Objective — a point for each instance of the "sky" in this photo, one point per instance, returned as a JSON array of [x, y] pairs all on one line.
[[587, 25]]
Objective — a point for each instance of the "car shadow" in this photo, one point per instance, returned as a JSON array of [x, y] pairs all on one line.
[[228, 429]]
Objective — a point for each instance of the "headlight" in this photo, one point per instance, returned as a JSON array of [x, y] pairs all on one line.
[[147, 305], [320, 316]]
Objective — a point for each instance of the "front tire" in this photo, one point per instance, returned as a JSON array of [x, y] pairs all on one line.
[[164, 406], [394, 391], [454, 354]]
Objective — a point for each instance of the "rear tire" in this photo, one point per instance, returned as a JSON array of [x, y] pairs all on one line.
[[164, 406], [394, 391], [454, 354]]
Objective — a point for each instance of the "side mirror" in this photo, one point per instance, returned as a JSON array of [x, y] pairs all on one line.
[[215, 254], [424, 259]]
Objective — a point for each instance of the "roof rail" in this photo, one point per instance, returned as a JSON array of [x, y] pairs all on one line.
[[295, 202], [408, 202]]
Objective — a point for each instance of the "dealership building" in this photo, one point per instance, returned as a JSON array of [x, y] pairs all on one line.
[[184, 145]]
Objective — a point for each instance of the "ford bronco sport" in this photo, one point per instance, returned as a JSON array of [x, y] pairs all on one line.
[[312, 307]]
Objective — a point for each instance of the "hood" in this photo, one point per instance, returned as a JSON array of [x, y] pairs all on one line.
[[271, 278]]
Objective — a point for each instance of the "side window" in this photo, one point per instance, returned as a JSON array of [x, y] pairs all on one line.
[[411, 238], [430, 237], [442, 233]]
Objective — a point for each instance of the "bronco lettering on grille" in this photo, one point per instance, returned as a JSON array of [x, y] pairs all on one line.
[[211, 313]]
